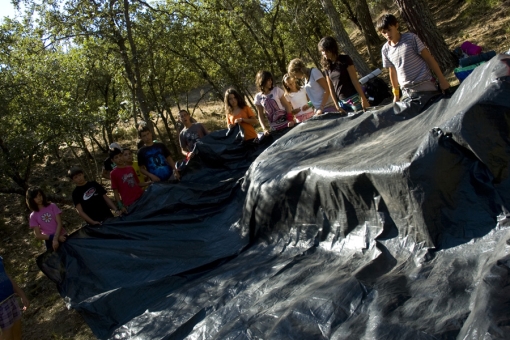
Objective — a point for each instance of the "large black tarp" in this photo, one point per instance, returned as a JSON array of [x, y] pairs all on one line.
[[388, 224]]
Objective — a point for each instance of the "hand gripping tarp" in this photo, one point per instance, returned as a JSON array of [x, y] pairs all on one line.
[[388, 224]]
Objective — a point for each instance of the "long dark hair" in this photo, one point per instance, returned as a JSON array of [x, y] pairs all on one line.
[[32, 194], [261, 78], [240, 100], [327, 44]]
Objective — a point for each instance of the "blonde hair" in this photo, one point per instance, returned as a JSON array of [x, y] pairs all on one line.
[[297, 66]]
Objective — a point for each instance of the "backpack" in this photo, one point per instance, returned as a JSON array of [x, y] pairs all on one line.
[[376, 90]]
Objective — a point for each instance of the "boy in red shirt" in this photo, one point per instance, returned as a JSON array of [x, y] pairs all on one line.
[[125, 183]]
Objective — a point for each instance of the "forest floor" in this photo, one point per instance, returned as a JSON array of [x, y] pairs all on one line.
[[48, 316]]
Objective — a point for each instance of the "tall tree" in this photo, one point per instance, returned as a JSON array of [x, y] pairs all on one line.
[[419, 20], [343, 38], [359, 13]]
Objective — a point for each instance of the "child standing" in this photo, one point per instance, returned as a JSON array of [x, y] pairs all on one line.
[[298, 99], [128, 156], [238, 112], [45, 219], [125, 184], [90, 199], [408, 60], [271, 99], [315, 85], [342, 77], [10, 313]]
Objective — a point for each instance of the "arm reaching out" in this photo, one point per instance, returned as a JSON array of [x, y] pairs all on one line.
[[433, 65]]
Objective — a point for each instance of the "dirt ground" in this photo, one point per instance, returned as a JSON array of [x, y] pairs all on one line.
[[48, 316]]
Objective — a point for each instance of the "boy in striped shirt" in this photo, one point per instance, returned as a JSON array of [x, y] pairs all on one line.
[[408, 60]]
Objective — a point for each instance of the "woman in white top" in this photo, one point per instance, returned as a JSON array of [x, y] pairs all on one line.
[[315, 85], [297, 97], [271, 100]]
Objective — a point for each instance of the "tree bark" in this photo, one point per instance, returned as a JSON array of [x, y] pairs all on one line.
[[140, 94], [343, 39], [372, 40], [419, 20]]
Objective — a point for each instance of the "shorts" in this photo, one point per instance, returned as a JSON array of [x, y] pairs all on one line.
[[9, 312], [425, 86]]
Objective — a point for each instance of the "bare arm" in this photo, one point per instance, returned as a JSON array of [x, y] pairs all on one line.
[[152, 177], [109, 202], [433, 65], [85, 216], [332, 92], [20, 293], [56, 236], [117, 197], [288, 108], [172, 165], [325, 97], [251, 121], [112, 206], [394, 83], [39, 235], [260, 112], [354, 79]]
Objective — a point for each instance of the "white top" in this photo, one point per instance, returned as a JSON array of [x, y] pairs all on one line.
[[313, 89], [298, 100], [275, 112]]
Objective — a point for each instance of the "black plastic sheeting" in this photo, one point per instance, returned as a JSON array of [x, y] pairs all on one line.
[[388, 224]]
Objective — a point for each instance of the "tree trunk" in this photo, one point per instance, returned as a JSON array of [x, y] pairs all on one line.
[[366, 23], [419, 20], [343, 39], [140, 94], [372, 40]]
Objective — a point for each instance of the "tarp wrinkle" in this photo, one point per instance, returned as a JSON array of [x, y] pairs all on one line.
[[385, 224]]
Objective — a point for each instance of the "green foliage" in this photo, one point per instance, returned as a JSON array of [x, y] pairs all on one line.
[[69, 78]]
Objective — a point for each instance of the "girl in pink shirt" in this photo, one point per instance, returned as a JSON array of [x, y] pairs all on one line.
[[45, 219]]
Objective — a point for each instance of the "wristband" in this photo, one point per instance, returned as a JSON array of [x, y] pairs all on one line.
[[310, 104], [395, 91], [290, 117], [120, 205]]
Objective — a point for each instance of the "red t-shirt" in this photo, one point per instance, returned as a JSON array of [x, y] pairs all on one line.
[[126, 182]]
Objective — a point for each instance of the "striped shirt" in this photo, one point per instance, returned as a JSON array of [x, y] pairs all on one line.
[[405, 57]]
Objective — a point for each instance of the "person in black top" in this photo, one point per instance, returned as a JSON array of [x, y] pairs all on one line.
[[90, 199], [342, 77]]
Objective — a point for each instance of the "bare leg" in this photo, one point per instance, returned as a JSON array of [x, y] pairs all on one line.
[[12, 333]]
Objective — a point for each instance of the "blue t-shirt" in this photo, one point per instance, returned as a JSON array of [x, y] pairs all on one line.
[[154, 159], [6, 288]]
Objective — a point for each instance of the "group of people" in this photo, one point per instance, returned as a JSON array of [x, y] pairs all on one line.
[[307, 92]]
